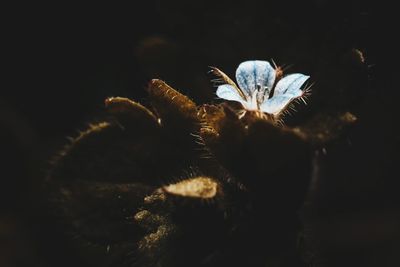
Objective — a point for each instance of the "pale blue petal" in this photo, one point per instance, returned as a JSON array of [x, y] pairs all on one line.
[[290, 85], [228, 92], [276, 104], [254, 74]]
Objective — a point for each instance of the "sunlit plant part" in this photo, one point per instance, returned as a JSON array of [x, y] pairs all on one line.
[[136, 189], [261, 87]]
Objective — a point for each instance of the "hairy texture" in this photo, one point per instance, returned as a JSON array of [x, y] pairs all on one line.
[[178, 184]]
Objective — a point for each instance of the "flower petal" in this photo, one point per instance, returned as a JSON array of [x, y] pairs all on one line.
[[254, 74], [276, 104], [228, 92], [290, 85]]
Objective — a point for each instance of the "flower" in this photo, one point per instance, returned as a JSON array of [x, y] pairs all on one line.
[[261, 87]]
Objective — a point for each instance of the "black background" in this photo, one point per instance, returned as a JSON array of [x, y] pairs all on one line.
[[61, 61]]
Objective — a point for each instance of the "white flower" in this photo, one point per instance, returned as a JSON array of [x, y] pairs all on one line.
[[260, 87]]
